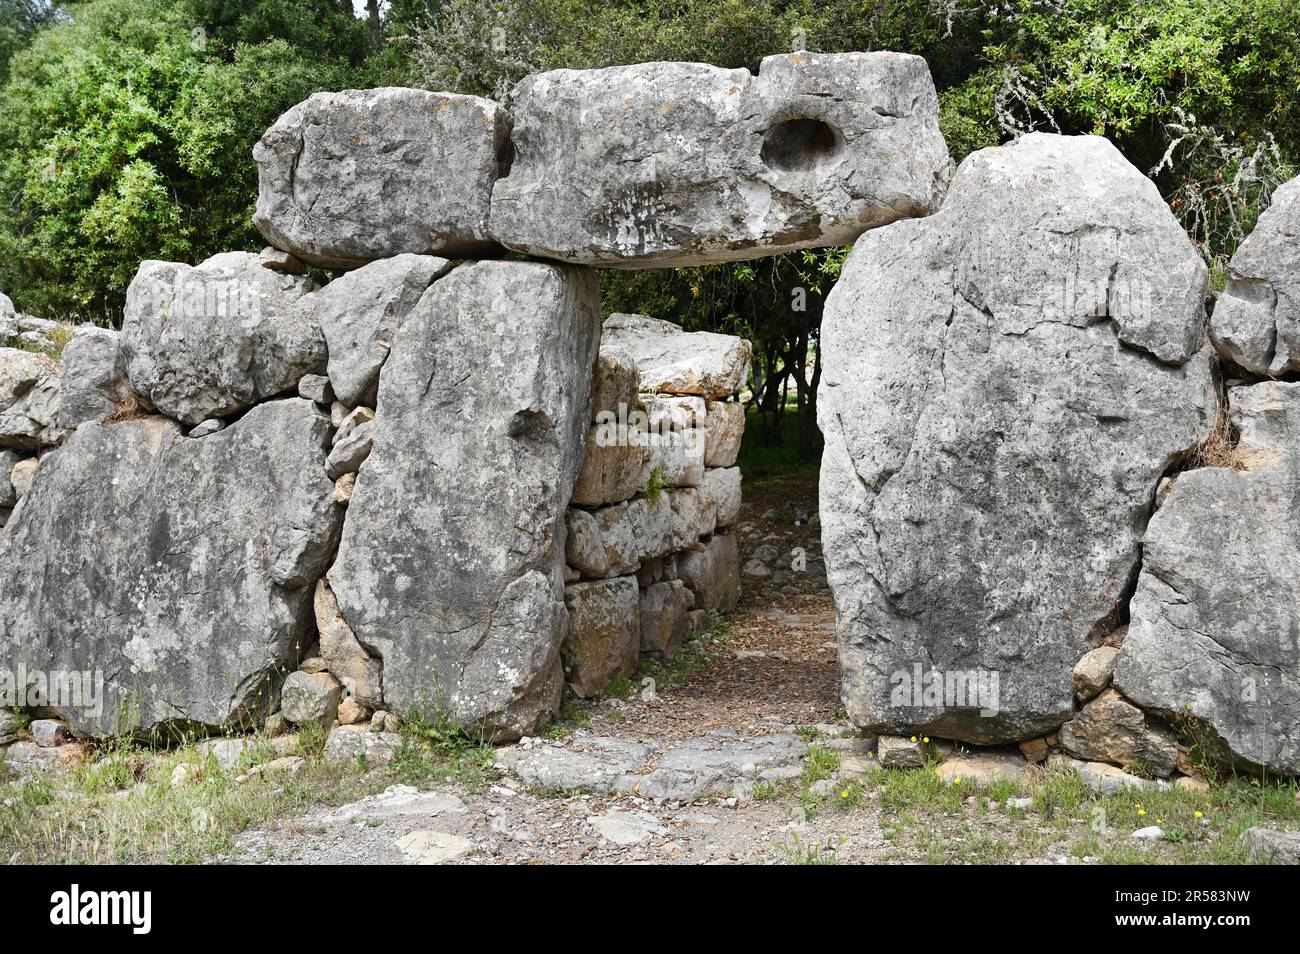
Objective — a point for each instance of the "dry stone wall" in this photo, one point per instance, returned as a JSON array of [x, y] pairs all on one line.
[[648, 546]]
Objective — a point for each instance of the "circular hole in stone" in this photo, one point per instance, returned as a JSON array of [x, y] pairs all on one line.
[[799, 144]]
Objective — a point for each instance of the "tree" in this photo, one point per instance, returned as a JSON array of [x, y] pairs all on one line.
[[129, 137], [20, 21]]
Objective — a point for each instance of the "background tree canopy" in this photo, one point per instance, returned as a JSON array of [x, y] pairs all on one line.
[[127, 125]]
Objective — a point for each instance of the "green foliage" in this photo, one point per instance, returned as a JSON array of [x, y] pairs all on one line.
[[435, 748], [20, 21], [655, 486], [1200, 94], [130, 140], [328, 28], [128, 124]]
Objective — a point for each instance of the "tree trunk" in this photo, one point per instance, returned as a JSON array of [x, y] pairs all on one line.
[[376, 34]]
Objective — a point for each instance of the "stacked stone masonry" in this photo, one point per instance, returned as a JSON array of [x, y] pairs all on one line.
[[648, 545], [439, 482]]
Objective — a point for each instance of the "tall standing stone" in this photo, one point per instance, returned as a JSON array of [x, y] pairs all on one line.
[[658, 165], [1213, 638], [1005, 384], [180, 571], [452, 559], [346, 178]]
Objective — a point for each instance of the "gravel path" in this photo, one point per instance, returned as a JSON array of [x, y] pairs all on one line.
[[774, 672]]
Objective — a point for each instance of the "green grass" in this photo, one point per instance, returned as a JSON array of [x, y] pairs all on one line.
[[655, 486], [820, 764], [927, 818], [123, 808], [435, 749], [798, 852]]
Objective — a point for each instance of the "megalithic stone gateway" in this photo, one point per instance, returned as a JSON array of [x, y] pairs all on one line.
[[451, 564]]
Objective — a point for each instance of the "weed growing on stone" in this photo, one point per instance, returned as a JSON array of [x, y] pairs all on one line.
[[435, 749], [798, 852]]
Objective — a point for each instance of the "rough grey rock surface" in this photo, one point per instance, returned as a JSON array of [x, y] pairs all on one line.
[[180, 569], [639, 530], [347, 455], [30, 397], [612, 470], [616, 383], [596, 765], [345, 178], [604, 636], [722, 485], [1005, 384], [317, 388], [360, 312], [665, 617], [1269, 846], [713, 572], [1112, 729], [349, 744], [309, 697], [673, 361], [451, 564], [212, 340], [584, 550], [898, 752], [1214, 618], [726, 428], [1101, 777], [720, 763], [660, 165], [1256, 321], [93, 376]]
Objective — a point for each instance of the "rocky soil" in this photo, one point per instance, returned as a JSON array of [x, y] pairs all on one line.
[[738, 753], [766, 676]]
